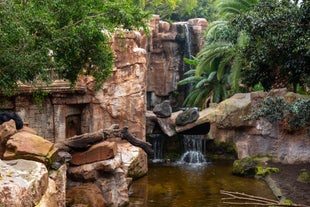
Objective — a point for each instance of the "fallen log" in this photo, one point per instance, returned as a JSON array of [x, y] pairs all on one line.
[[147, 147], [84, 141]]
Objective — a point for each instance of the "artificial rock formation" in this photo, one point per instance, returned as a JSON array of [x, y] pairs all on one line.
[[26, 183], [228, 123], [29, 146], [168, 45]]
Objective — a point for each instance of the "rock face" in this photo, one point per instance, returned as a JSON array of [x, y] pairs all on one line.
[[168, 45]]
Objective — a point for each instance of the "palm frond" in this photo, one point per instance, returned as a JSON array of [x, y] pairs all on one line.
[[235, 73], [228, 8], [213, 27], [191, 79], [201, 83], [211, 76], [224, 62], [190, 72]]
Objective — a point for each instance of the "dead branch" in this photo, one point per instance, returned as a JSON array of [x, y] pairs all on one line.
[[245, 199], [147, 147]]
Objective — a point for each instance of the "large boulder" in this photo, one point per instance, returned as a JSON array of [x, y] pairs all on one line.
[[91, 171], [245, 167], [31, 147], [7, 129], [97, 152], [187, 116], [134, 161], [22, 183], [163, 110], [87, 194]]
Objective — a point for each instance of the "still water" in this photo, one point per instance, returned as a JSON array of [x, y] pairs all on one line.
[[175, 185]]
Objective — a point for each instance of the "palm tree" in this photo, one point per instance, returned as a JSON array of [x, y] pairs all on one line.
[[224, 43], [218, 65], [205, 87]]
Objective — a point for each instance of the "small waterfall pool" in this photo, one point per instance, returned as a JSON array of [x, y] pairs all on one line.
[[179, 185]]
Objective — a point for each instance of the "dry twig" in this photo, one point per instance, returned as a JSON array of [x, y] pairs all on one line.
[[245, 199]]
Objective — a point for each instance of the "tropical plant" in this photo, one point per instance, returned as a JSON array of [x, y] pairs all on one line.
[[218, 64], [204, 87], [70, 37]]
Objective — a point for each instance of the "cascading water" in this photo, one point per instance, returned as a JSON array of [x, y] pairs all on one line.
[[194, 146], [158, 144], [188, 55], [188, 44]]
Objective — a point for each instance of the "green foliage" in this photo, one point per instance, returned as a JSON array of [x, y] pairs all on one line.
[[263, 171], [204, 86], [300, 113], [181, 10], [258, 87], [66, 36], [272, 109], [278, 46], [38, 97], [297, 114]]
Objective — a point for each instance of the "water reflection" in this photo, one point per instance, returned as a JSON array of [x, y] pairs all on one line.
[[186, 186]]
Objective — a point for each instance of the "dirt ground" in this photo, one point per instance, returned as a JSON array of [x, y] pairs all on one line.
[[286, 180]]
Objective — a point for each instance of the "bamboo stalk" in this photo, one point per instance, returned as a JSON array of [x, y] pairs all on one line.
[[256, 200]]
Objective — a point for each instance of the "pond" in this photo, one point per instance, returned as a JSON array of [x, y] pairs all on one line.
[[184, 185]]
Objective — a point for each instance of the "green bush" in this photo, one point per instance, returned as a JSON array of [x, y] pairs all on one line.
[[296, 114]]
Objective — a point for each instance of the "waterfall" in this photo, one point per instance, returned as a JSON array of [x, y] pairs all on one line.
[[188, 44], [158, 145], [194, 149], [188, 55]]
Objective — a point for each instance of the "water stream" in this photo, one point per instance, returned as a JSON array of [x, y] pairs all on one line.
[[192, 181], [194, 150], [174, 185]]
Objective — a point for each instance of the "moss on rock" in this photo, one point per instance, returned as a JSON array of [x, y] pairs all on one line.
[[245, 167]]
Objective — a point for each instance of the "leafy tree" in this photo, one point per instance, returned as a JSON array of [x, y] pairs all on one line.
[[278, 51], [70, 37], [180, 10]]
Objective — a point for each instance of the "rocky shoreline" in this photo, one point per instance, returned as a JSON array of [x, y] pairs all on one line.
[[284, 183]]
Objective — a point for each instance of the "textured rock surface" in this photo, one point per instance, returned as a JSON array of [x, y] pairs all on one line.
[[29, 146], [86, 194], [6, 130], [169, 44], [22, 182], [186, 117], [97, 152], [163, 110], [114, 188], [89, 171], [134, 162]]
